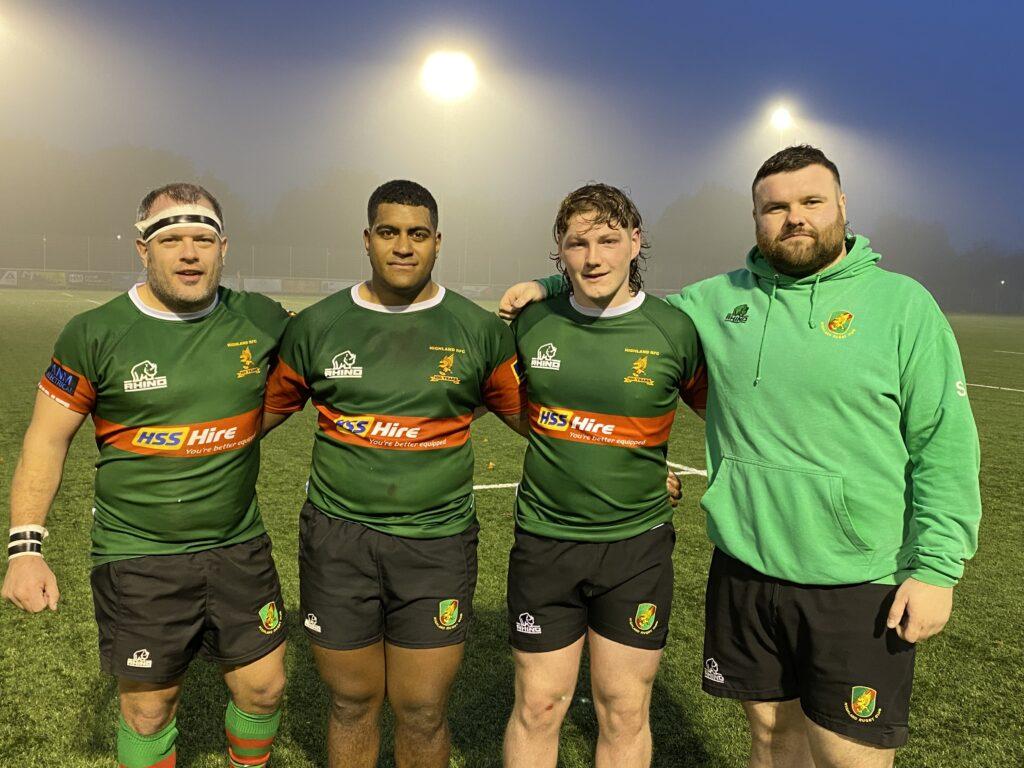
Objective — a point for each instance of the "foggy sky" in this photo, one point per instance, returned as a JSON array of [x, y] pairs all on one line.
[[918, 104]]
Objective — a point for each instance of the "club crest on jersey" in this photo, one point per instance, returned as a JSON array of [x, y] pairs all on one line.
[[448, 615], [270, 618], [645, 620], [343, 366], [446, 364], [545, 357], [863, 704], [738, 315], [248, 366], [838, 325], [638, 376], [144, 376]]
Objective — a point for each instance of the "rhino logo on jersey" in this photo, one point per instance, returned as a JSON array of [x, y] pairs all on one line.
[[545, 357], [143, 370], [144, 377], [343, 366]]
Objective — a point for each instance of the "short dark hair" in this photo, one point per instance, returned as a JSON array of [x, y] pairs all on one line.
[[793, 159], [180, 192], [607, 205], [401, 192]]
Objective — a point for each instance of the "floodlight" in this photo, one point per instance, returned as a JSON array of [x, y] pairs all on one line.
[[448, 76]]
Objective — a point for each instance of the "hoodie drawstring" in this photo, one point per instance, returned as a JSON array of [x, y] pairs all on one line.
[[814, 290], [764, 329]]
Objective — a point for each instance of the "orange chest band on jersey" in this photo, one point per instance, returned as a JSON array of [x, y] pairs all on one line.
[[601, 428], [394, 433], [181, 440]]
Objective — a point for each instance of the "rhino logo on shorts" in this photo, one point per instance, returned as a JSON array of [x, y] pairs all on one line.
[[140, 659]]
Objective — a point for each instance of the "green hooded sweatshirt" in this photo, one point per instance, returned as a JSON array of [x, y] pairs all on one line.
[[841, 447]]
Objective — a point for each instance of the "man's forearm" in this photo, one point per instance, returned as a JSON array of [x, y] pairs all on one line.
[[272, 420], [519, 422], [36, 480]]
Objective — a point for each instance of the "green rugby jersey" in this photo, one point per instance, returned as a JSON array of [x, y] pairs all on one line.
[[396, 388], [602, 389], [177, 405]]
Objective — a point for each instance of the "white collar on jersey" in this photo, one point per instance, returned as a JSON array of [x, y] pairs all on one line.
[[418, 306], [133, 294], [621, 309]]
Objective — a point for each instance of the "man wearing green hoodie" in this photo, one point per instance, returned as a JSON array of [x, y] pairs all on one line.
[[843, 465]]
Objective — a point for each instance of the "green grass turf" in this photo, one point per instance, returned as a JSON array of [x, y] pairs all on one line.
[[57, 709]]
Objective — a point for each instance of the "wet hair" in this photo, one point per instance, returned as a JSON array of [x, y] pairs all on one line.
[[793, 159], [603, 204], [182, 193], [401, 192]]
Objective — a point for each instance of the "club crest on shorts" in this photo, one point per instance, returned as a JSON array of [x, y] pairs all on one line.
[[270, 618], [839, 325], [448, 615], [645, 620], [863, 704]]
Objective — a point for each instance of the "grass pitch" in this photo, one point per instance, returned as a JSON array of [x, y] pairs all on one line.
[[56, 708]]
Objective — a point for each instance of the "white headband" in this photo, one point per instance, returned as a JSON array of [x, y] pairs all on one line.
[[179, 216]]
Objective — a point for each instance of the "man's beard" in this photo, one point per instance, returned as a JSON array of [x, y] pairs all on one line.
[[165, 291], [799, 258]]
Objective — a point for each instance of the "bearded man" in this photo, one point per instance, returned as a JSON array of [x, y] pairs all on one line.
[[843, 463]]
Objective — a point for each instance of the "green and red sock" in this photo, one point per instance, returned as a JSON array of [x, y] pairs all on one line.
[[137, 751], [249, 736]]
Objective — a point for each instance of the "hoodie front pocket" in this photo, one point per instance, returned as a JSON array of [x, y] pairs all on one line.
[[784, 522]]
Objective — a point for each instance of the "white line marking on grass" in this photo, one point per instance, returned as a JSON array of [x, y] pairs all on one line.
[[989, 386], [93, 301], [495, 485], [67, 294], [685, 470], [1008, 352]]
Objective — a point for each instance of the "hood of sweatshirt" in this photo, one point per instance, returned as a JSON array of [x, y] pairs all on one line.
[[858, 259]]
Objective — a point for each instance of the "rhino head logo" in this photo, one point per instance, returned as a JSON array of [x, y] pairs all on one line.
[[345, 360], [144, 371]]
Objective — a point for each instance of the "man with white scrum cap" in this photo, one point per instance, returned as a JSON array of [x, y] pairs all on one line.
[[173, 373]]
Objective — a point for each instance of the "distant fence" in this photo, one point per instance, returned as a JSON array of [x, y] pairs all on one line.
[[1001, 301], [122, 281]]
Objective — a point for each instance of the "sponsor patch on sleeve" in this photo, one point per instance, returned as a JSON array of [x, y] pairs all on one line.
[[61, 378]]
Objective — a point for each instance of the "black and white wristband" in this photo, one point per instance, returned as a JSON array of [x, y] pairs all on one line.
[[26, 540]]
